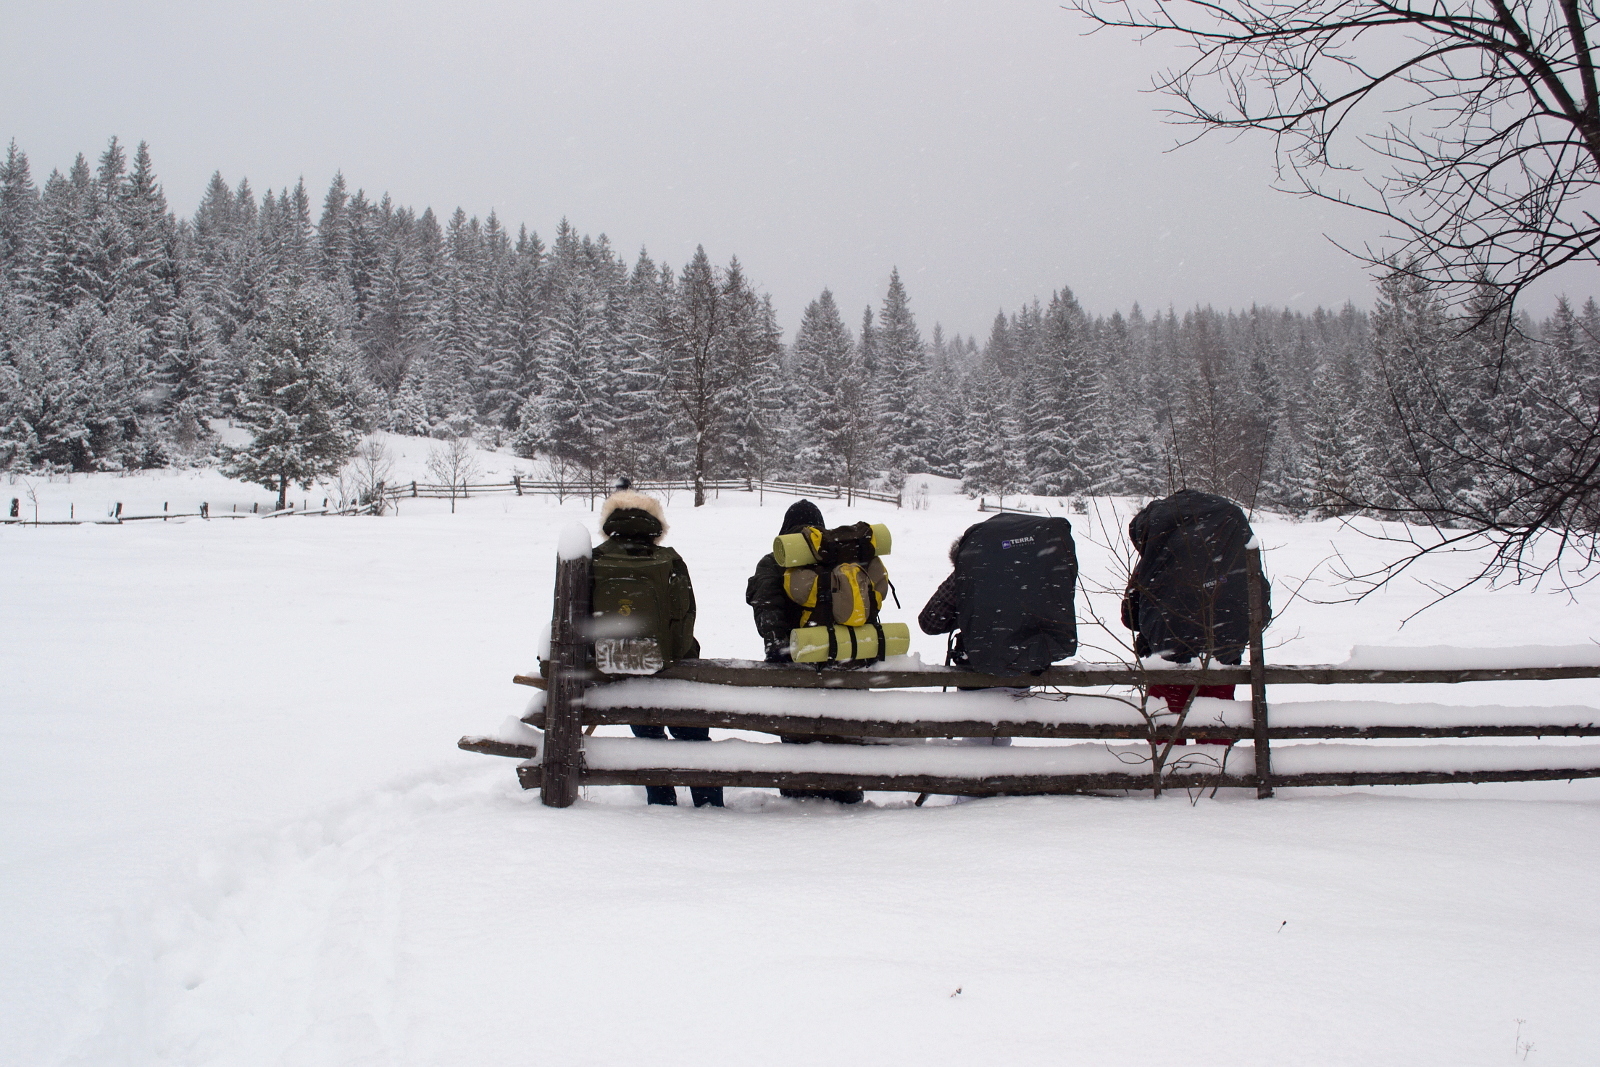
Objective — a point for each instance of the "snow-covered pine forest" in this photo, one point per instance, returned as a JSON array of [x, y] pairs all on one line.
[[125, 328]]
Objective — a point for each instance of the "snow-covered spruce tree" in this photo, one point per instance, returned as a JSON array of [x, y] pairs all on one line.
[[1332, 447], [19, 222], [1125, 461], [460, 332], [393, 334], [1220, 444], [832, 398], [947, 404], [75, 391], [902, 364], [759, 436], [995, 461], [515, 326], [1061, 383], [565, 421], [300, 399]]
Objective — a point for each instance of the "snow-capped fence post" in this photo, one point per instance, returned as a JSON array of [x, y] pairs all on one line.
[[1258, 675], [562, 754]]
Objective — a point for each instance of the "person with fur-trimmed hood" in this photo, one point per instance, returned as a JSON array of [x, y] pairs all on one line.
[[634, 525]]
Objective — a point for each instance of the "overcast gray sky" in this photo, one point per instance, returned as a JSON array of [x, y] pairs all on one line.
[[989, 149]]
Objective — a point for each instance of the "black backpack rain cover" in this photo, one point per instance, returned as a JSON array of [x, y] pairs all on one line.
[[1015, 580], [1190, 584]]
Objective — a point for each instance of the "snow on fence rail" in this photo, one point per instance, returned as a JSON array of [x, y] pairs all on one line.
[[425, 490], [117, 518], [561, 489], [895, 740]]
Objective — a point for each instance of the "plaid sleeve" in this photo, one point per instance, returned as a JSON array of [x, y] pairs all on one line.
[[939, 615]]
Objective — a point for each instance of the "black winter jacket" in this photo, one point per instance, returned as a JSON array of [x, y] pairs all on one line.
[[775, 613]]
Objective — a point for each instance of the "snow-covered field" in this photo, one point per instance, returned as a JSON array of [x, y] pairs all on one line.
[[235, 830]]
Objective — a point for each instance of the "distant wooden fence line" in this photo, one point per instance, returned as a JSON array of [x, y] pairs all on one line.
[[429, 491], [561, 759], [117, 518], [562, 489]]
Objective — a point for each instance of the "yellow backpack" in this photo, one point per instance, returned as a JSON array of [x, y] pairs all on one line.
[[838, 578]]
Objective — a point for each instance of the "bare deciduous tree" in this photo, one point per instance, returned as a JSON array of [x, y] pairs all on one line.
[[1483, 117], [364, 478], [454, 464], [712, 341], [1484, 113]]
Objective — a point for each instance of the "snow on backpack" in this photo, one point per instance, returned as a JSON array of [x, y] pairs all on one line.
[[642, 609], [837, 577], [1015, 580]]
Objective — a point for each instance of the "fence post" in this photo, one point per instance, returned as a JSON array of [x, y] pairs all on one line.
[[516, 480], [413, 487], [1258, 676], [563, 735]]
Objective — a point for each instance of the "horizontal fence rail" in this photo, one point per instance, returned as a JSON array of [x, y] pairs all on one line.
[[556, 487], [117, 518], [431, 491]]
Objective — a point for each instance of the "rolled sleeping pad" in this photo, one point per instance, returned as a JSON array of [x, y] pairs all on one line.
[[809, 644], [793, 550], [881, 541]]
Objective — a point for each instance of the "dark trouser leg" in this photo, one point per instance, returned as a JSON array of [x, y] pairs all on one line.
[[702, 795], [842, 796], [656, 794], [1177, 696]]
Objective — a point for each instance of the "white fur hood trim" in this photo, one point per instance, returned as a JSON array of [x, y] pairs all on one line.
[[627, 498]]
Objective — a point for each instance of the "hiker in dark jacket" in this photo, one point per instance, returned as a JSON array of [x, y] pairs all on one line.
[[775, 613], [1188, 596], [939, 615], [1010, 594], [634, 524], [775, 616]]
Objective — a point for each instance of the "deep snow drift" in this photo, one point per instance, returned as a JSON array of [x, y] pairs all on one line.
[[236, 831]]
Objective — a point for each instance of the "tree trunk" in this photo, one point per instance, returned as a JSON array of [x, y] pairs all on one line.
[[283, 491], [699, 469]]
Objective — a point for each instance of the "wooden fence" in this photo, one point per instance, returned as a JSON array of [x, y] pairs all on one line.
[[116, 516], [797, 701], [426, 490], [598, 489]]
